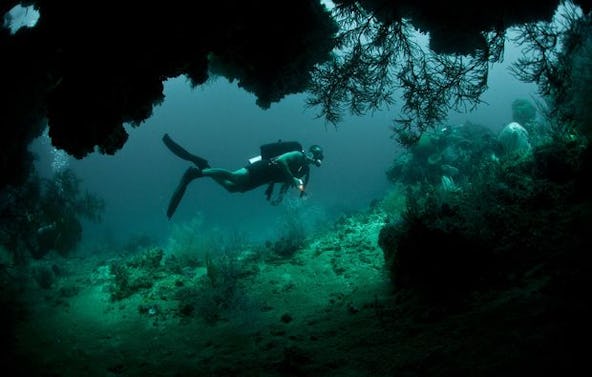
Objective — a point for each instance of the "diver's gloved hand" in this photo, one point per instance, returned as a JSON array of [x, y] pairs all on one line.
[[298, 183]]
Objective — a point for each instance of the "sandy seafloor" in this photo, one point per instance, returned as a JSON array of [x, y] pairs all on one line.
[[317, 312]]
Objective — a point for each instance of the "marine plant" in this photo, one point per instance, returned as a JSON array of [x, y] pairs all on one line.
[[221, 291], [61, 207], [188, 243], [134, 274], [45, 214]]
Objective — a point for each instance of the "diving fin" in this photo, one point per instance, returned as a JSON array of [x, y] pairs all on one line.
[[189, 175], [180, 152]]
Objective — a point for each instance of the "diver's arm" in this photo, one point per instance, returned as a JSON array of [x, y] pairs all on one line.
[[305, 182], [283, 162], [306, 176]]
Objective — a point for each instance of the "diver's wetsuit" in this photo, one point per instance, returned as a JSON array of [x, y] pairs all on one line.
[[267, 171]]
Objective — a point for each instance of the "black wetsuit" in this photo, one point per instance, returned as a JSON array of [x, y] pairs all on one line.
[[268, 171]]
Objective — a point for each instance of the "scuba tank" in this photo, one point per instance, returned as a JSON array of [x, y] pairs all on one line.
[[271, 150]]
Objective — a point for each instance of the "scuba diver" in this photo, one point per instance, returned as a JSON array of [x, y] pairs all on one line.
[[280, 162]]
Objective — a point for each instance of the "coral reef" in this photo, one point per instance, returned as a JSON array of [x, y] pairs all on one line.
[[500, 223], [514, 140], [453, 151]]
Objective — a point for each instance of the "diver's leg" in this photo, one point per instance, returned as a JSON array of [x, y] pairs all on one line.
[[179, 151], [189, 175], [232, 181]]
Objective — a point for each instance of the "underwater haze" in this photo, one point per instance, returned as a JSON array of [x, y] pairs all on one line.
[[221, 122]]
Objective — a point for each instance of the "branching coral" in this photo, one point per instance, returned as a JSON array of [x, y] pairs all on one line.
[[377, 58], [557, 58]]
